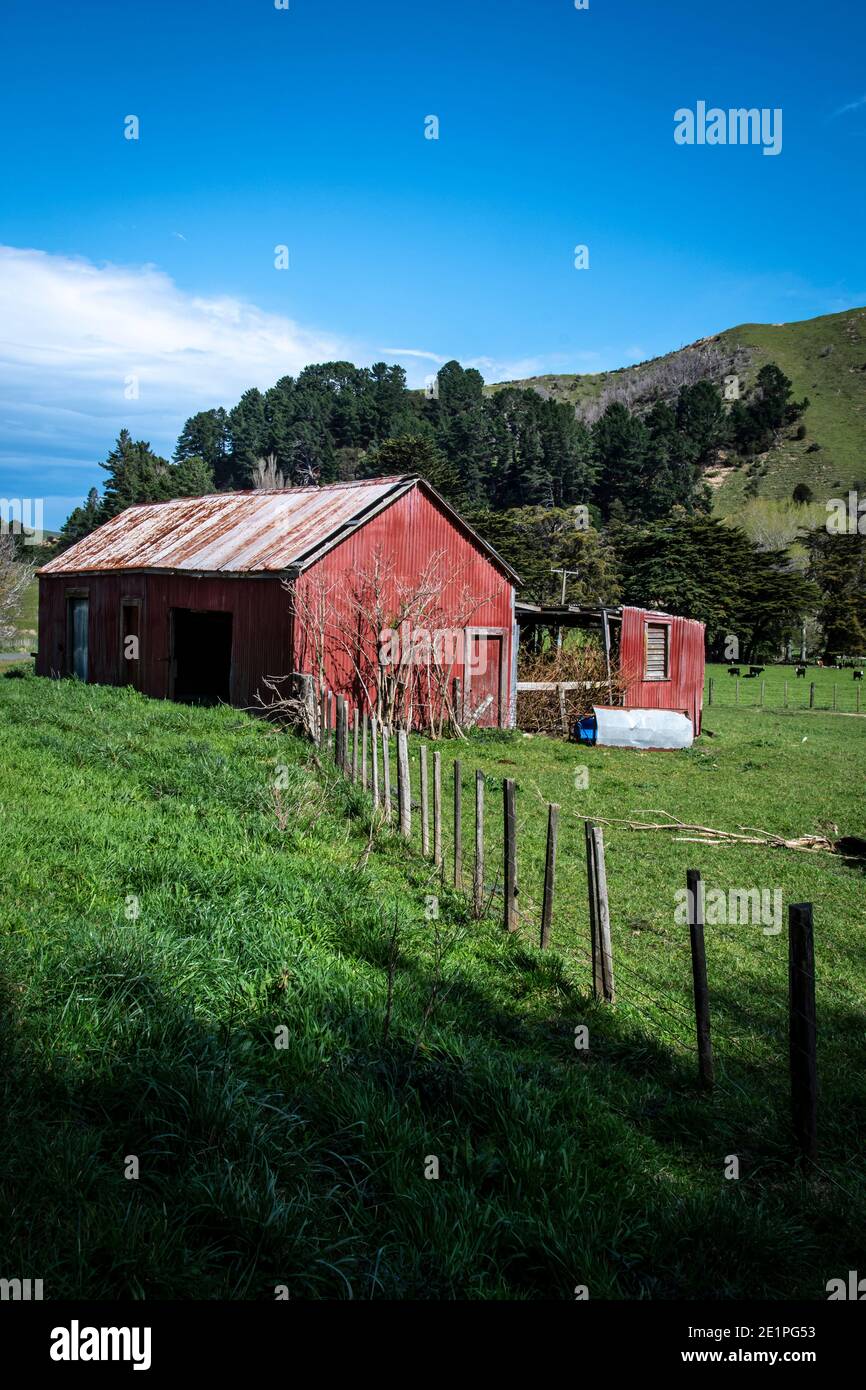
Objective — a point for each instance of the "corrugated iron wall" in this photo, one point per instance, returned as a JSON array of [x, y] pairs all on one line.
[[684, 689], [261, 626], [407, 534]]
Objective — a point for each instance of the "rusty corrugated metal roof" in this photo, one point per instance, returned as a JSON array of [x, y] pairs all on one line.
[[261, 532], [258, 532]]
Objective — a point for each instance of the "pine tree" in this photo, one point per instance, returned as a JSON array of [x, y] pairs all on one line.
[[135, 474]]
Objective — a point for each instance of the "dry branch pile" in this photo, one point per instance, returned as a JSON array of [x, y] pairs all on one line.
[[849, 847], [540, 711]]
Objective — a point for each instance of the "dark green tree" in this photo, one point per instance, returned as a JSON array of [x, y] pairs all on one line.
[[837, 564], [698, 567], [135, 474], [206, 436], [81, 521], [412, 454], [538, 540]]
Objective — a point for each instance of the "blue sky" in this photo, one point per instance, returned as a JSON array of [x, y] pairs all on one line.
[[260, 127]]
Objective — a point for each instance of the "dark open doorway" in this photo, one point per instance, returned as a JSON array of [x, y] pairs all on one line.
[[201, 656]]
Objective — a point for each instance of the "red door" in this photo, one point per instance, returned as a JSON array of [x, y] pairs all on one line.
[[483, 678]]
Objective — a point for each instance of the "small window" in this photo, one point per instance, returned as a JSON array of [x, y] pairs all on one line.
[[657, 652]]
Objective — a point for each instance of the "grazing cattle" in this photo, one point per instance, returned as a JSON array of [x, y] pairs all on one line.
[[858, 675], [801, 671], [733, 670]]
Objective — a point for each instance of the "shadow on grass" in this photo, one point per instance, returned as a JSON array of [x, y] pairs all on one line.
[[305, 1165]]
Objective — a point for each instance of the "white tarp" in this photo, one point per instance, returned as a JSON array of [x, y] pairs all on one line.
[[643, 728]]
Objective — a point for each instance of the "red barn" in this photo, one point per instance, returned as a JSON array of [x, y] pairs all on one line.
[[205, 598]]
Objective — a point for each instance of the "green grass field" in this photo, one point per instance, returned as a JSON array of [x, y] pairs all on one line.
[[835, 689], [167, 910]]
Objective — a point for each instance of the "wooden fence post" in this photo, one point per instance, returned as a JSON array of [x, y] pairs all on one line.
[[592, 896], [811, 694], [355, 744], [364, 740], [345, 759], [785, 699], [374, 744], [425, 804], [323, 717], [699, 976], [857, 707], [763, 684], [386, 774], [563, 712], [803, 1028], [510, 854], [437, 809], [549, 874], [404, 791], [478, 881], [710, 693], [834, 697], [737, 698], [603, 915], [458, 824], [338, 733]]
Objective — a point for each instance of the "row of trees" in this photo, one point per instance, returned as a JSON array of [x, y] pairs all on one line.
[[512, 448], [699, 567]]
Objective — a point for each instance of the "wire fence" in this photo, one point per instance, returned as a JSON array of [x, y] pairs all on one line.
[[484, 839], [838, 692]]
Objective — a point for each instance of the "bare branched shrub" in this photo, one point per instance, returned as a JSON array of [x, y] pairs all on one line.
[[640, 387], [15, 575], [540, 711], [355, 620]]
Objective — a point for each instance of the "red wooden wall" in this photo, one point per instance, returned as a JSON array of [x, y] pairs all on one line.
[[261, 626], [409, 533], [684, 688]]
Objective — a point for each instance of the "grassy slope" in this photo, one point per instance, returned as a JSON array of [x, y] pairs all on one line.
[[153, 1035], [835, 383]]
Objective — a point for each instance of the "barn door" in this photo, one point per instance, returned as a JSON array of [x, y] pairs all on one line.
[[483, 677], [78, 617]]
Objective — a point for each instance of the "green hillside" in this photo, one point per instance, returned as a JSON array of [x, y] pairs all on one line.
[[825, 359]]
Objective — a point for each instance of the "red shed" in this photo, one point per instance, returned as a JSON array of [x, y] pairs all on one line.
[[662, 658], [205, 598]]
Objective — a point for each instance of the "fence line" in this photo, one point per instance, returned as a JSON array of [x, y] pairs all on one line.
[[841, 697], [802, 1017]]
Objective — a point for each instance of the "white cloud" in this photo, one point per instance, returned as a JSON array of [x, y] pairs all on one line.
[[69, 324], [73, 334], [414, 352], [849, 106]]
